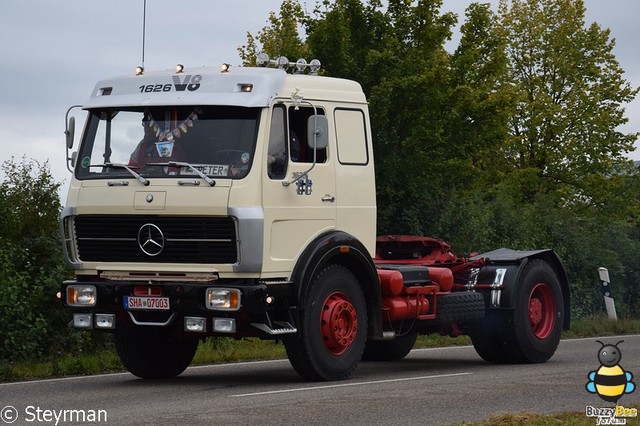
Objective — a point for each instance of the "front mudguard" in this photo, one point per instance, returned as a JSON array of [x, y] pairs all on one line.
[[338, 247]]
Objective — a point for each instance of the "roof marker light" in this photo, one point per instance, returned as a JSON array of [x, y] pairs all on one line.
[[315, 66], [139, 70], [301, 64], [179, 68], [282, 62], [262, 60]]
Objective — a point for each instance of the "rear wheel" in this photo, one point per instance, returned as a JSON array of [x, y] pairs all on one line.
[[487, 337], [393, 350], [531, 331], [155, 355], [332, 329]]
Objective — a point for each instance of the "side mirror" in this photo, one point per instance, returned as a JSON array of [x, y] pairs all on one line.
[[71, 126], [317, 132]]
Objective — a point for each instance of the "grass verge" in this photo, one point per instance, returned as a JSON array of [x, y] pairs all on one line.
[[533, 419]]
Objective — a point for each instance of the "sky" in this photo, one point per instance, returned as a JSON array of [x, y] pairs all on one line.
[[53, 52]]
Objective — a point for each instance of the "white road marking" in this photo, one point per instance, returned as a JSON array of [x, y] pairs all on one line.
[[343, 385]]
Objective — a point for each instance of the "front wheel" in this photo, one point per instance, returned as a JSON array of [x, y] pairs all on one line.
[[332, 328], [155, 355]]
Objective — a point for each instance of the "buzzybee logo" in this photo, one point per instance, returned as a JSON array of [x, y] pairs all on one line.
[[610, 382]]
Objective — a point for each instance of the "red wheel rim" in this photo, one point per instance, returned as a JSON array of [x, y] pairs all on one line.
[[338, 323], [542, 310]]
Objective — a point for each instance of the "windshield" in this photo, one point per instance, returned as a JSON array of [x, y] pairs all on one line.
[[216, 141]]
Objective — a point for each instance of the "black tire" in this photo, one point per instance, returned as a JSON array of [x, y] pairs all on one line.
[[487, 337], [393, 350], [155, 355], [530, 333], [335, 302]]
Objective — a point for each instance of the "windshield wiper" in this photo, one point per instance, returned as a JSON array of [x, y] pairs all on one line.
[[142, 180], [206, 178]]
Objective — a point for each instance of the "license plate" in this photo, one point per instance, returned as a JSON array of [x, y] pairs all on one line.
[[207, 169], [146, 303]]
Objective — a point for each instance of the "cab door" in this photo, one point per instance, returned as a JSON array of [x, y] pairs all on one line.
[[295, 215]]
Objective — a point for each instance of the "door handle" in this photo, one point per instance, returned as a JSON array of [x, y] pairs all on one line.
[[328, 198]]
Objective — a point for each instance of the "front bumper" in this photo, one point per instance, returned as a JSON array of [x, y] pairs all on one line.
[[180, 306]]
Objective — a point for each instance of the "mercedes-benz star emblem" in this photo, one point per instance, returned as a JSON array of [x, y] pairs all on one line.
[[150, 239]]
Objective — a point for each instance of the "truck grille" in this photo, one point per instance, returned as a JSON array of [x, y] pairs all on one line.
[[156, 239]]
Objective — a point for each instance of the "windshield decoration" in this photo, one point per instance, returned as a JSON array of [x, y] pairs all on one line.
[[165, 149], [172, 129]]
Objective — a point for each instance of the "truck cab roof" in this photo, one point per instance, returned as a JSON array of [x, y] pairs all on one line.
[[237, 86]]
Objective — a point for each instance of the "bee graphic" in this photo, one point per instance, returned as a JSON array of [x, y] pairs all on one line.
[[610, 381]]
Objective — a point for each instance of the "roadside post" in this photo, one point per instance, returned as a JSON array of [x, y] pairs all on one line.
[[607, 294]]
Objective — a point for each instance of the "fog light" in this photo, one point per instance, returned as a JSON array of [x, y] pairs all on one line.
[[105, 321], [224, 325], [196, 324], [222, 299], [82, 321], [81, 295]]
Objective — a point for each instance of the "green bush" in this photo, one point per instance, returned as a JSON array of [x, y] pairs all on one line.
[[31, 264], [23, 324]]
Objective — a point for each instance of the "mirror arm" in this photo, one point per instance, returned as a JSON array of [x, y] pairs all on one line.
[[315, 134]]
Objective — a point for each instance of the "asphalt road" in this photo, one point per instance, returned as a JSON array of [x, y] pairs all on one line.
[[429, 387]]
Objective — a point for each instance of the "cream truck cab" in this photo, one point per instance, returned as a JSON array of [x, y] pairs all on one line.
[[241, 202]]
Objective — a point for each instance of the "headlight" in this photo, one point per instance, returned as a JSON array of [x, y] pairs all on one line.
[[81, 295], [222, 299]]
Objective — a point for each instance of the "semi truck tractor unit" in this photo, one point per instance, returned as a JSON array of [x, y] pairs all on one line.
[[241, 202]]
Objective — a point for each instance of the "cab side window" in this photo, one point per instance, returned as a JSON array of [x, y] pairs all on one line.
[[298, 145], [277, 152]]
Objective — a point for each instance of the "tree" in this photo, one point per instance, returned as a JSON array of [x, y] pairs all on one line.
[[565, 152], [482, 99], [409, 99], [343, 33], [280, 38], [570, 90]]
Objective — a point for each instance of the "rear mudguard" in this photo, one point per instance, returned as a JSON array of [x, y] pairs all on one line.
[[502, 270], [338, 247]]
